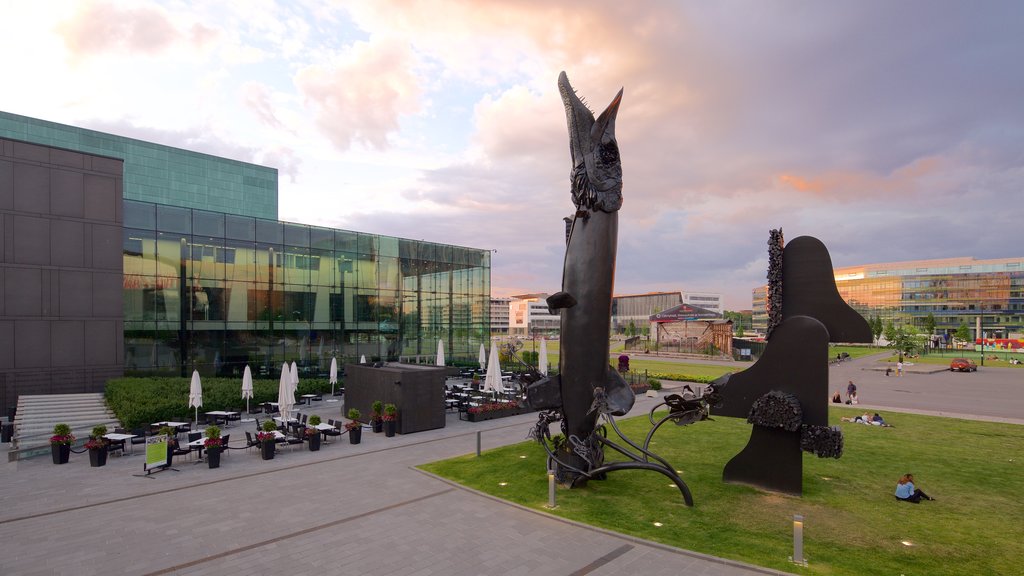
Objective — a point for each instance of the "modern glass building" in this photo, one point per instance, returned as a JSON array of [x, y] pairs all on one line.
[[213, 281], [219, 291], [952, 290], [162, 174]]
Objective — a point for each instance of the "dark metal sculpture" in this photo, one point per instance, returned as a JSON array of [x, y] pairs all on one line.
[[586, 388], [785, 394]]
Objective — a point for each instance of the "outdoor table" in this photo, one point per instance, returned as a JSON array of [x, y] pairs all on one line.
[[176, 425], [308, 398], [282, 421], [126, 438], [223, 415], [197, 445]]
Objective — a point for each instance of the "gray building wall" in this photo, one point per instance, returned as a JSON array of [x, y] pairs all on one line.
[[61, 271]]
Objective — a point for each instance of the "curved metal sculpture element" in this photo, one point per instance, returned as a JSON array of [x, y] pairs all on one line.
[[785, 394], [586, 387]]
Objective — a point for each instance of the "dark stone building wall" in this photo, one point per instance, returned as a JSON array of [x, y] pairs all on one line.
[[61, 271]]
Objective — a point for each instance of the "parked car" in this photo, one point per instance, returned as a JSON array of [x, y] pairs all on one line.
[[963, 365]]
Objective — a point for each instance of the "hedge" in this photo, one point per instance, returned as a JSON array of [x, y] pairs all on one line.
[[137, 402]]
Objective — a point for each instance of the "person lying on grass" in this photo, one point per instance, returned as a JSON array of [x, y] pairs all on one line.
[[865, 418]]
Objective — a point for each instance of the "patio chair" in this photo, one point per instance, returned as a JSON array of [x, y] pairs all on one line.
[[140, 436], [333, 432], [257, 409], [250, 441]]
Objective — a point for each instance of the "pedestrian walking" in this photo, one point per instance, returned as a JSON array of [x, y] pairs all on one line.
[[851, 392], [899, 368]]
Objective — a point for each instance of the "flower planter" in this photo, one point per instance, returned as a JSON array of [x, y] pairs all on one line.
[[492, 414], [267, 449], [378, 426], [98, 457], [314, 442], [61, 453], [389, 428], [213, 457], [355, 435]]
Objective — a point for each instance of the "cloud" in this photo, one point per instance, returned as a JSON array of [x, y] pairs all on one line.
[[256, 97], [98, 27], [360, 95]]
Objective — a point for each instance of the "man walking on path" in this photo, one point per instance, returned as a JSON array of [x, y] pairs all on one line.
[[899, 368], [851, 392]]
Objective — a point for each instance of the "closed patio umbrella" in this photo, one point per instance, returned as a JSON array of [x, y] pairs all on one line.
[[483, 357], [542, 358], [247, 386], [362, 359], [285, 396], [440, 352], [334, 374], [195, 393], [493, 379]]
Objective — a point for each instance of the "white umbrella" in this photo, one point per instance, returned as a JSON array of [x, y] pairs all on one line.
[[285, 396], [493, 379], [247, 387], [483, 357], [334, 374], [195, 393], [542, 358], [362, 359], [440, 352]]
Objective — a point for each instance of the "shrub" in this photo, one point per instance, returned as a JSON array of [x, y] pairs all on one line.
[[654, 383], [98, 431], [314, 420]]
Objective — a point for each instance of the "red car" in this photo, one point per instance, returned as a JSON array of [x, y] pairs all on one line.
[[963, 365]]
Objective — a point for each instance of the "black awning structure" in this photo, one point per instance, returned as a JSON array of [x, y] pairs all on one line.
[[684, 312]]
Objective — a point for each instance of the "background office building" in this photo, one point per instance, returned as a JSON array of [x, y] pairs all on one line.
[[123, 256], [711, 301], [952, 290], [636, 309], [528, 315], [499, 316]]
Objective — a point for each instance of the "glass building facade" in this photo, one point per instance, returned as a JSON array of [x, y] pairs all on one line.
[[162, 174], [218, 291], [952, 290]]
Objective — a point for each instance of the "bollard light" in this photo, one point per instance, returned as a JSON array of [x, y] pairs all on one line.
[[798, 541], [477, 443], [551, 489]]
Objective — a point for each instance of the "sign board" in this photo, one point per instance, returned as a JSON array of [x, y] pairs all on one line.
[[156, 452]]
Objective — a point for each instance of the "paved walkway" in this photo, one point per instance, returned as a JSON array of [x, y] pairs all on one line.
[[344, 510]]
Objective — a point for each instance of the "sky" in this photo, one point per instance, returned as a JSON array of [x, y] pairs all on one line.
[[889, 130]]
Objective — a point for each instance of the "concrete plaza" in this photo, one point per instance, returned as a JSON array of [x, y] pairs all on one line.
[[364, 509]]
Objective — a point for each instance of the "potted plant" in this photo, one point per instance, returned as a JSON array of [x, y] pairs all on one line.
[[375, 417], [354, 426], [313, 433], [97, 446], [390, 418], [60, 443], [214, 445], [267, 439]]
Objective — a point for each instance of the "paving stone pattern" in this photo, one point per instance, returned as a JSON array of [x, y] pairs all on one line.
[[343, 510]]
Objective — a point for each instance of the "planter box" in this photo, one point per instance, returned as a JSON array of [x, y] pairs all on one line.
[[492, 414]]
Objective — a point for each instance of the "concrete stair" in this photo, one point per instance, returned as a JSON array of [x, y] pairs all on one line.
[[37, 415]]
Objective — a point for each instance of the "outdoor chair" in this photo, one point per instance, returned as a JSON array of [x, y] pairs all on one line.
[[140, 436], [333, 432], [319, 397], [304, 418], [225, 439], [257, 409], [250, 441]]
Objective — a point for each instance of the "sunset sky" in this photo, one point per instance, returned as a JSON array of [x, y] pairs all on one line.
[[889, 130]]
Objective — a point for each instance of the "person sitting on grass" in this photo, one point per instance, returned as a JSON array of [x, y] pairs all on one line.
[[837, 398], [906, 491]]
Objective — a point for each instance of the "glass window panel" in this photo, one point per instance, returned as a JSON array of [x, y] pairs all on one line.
[[269, 231], [240, 227], [367, 244], [346, 241], [173, 219], [296, 235], [207, 223], [322, 238], [139, 215]]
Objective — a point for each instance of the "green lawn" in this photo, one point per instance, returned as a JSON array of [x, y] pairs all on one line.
[[853, 351], [852, 523]]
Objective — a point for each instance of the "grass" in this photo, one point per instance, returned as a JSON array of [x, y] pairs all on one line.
[[853, 351], [852, 523]]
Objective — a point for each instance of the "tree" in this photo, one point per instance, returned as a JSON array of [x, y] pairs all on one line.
[[875, 323], [631, 329], [905, 339], [963, 333], [739, 331], [929, 324], [889, 331]]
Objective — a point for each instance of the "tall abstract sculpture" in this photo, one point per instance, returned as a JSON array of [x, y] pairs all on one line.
[[586, 388], [785, 394]]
